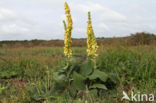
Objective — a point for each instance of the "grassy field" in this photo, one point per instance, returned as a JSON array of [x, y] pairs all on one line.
[[22, 69]]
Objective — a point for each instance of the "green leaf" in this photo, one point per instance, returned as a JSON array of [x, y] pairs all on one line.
[[60, 81], [86, 68], [63, 69], [72, 91], [100, 86], [94, 92], [73, 67], [59, 77], [66, 67], [99, 74], [78, 82]]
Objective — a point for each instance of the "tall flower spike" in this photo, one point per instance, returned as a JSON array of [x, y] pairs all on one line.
[[68, 30], [91, 41]]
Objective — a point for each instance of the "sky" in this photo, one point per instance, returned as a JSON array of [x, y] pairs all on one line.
[[42, 19]]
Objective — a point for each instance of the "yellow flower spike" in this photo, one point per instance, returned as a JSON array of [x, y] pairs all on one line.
[[67, 10], [68, 31], [91, 41]]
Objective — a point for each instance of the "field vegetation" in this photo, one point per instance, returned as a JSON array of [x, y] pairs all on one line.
[[26, 73], [84, 71]]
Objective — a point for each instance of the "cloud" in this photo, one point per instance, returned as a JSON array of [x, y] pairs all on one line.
[[42, 19], [20, 32], [12, 28], [101, 18], [9, 27], [103, 26], [16, 26], [6, 14], [102, 13], [13, 31]]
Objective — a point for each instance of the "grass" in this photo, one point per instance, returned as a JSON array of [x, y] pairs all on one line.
[[27, 73]]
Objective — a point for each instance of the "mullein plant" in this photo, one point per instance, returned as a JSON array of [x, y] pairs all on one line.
[[68, 31], [79, 79], [91, 42]]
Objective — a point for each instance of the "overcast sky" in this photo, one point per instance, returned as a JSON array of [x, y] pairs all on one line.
[[42, 19]]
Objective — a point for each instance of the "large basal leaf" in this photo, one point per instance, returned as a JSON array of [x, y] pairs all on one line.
[[73, 67], [93, 92], [63, 69], [78, 81], [86, 68], [100, 86], [72, 91], [59, 77], [99, 74], [66, 67], [60, 81]]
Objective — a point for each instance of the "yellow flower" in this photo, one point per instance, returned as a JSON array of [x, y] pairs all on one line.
[[68, 31], [91, 41]]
